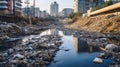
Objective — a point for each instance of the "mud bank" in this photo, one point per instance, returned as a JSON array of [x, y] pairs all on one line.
[[31, 51]]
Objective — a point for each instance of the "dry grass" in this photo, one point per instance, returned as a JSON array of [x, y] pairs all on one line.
[[103, 24]]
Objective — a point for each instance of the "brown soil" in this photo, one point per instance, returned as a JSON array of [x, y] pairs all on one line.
[[104, 24]]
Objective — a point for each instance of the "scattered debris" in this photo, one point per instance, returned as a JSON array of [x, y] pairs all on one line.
[[33, 50], [98, 60]]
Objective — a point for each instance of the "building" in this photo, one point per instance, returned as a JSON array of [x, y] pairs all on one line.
[[43, 14], [81, 6], [67, 11], [94, 3], [54, 8], [29, 11], [114, 1], [37, 12], [10, 6]]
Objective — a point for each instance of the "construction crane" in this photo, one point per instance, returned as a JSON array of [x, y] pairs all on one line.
[[27, 5], [34, 7]]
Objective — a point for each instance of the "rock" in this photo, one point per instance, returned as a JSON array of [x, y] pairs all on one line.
[[114, 65], [110, 46], [102, 55], [32, 51], [18, 56], [14, 61], [10, 50], [67, 50], [98, 60]]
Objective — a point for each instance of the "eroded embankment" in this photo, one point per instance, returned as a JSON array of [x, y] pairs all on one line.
[[104, 24]]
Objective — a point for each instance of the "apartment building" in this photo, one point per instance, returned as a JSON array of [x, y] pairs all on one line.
[[10, 6]]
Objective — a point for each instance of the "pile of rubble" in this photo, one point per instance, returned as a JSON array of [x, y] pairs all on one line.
[[9, 29], [109, 44], [110, 51], [32, 51], [97, 39]]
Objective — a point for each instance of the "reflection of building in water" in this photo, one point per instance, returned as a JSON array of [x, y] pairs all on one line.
[[52, 32], [82, 46], [76, 43], [90, 49]]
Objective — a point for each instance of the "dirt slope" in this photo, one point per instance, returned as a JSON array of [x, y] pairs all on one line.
[[104, 24]]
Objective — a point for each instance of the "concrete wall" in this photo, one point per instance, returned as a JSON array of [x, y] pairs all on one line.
[[107, 10]]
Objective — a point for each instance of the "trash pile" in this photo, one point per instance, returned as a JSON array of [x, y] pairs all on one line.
[[110, 51], [9, 29], [109, 44], [33, 51]]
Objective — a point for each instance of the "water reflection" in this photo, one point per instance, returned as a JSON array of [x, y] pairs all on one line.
[[82, 46], [79, 54], [52, 32]]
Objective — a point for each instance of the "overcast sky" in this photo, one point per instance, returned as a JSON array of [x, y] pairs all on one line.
[[45, 4]]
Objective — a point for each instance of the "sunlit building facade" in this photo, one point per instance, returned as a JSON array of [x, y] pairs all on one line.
[[67, 11], [9, 6], [81, 6], [114, 1], [54, 8]]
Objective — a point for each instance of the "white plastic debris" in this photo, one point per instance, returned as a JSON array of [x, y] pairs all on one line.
[[18, 56], [98, 60], [110, 46]]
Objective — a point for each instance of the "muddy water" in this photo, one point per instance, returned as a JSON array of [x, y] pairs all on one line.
[[76, 53]]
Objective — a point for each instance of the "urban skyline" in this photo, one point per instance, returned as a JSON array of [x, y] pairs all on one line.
[[54, 9], [45, 5]]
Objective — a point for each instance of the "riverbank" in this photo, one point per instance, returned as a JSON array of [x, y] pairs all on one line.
[[102, 24], [28, 40], [30, 51], [22, 28], [22, 45], [99, 31]]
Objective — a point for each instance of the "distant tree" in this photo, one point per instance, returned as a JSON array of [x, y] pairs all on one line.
[[73, 15], [97, 7], [107, 3]]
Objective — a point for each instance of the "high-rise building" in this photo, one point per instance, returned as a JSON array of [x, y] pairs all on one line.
[[94, 3], [83, 5], [37, 12], [29, 11], [54, 8], [43, 14], [114, 1], [18, 6], [8, 6], [67, 11]]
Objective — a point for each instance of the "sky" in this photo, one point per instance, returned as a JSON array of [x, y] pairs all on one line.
[[45, 4]]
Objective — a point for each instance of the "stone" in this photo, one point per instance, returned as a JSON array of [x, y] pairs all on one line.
[[98, 60], [18, 56], [110, 46]]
